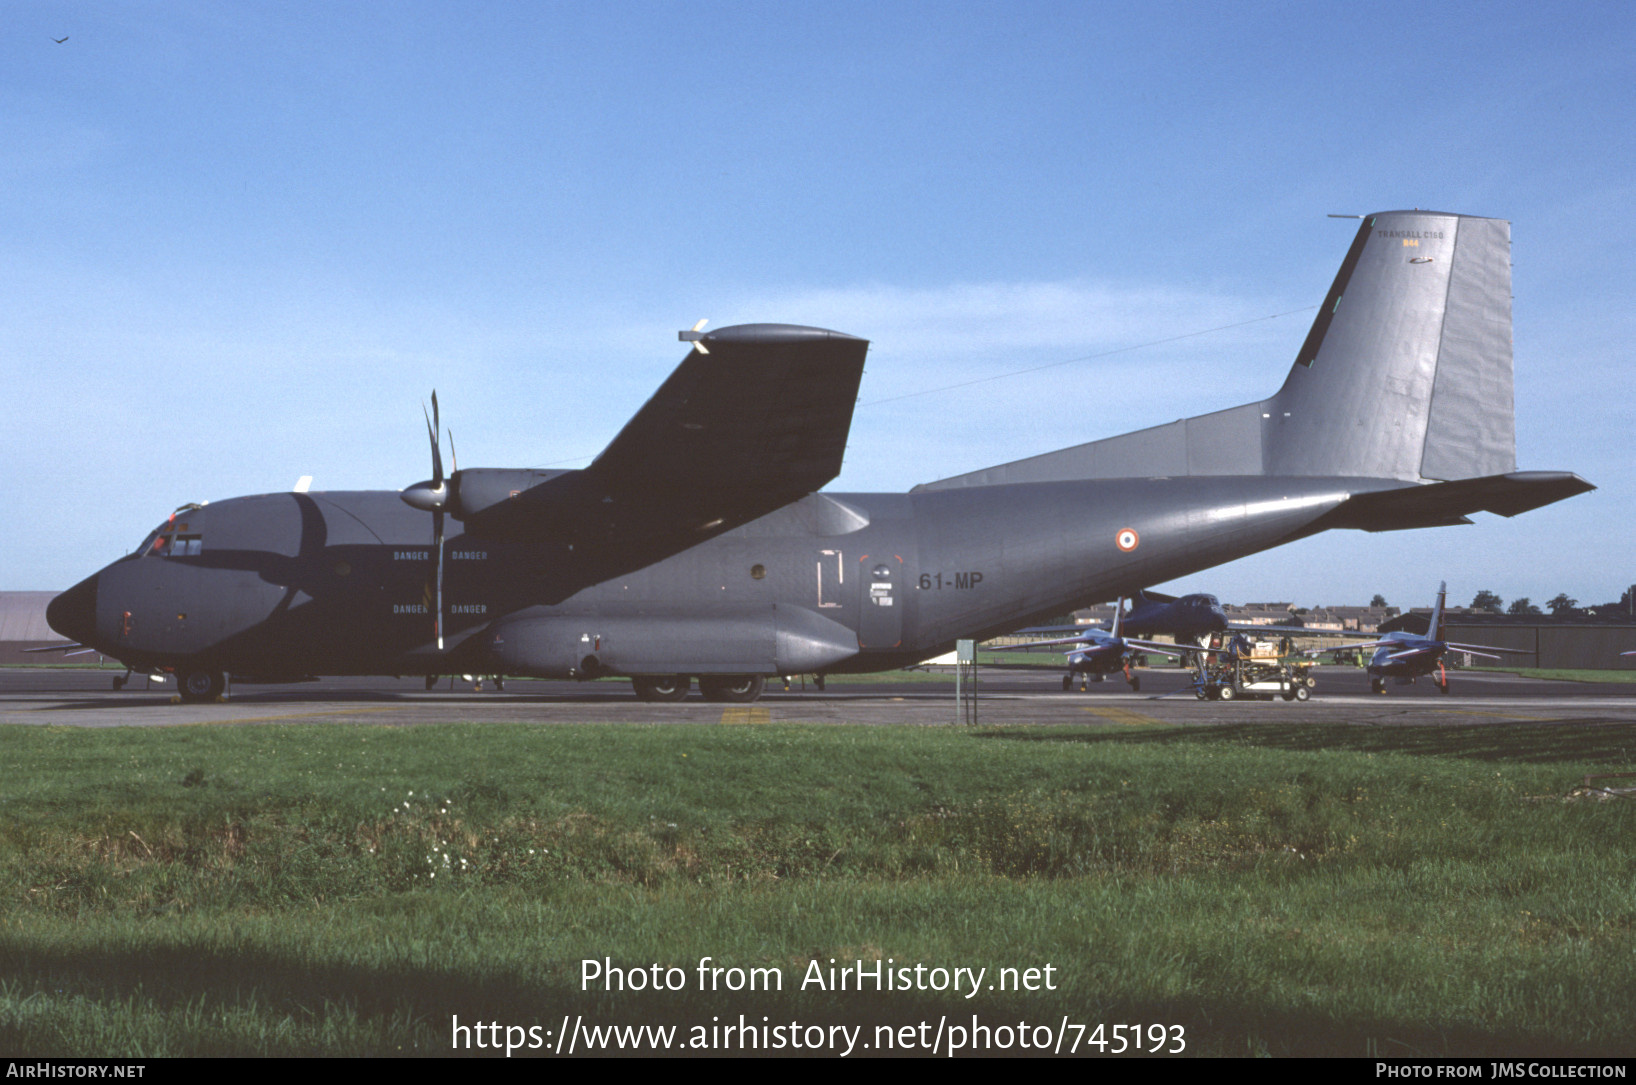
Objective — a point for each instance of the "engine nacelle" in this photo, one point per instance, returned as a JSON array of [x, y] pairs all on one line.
[[479, 488]]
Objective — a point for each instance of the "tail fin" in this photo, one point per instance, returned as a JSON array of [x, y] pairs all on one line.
[[1406, 375], [1434, 628]]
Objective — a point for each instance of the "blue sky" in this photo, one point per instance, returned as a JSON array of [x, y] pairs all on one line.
[[240, 243]]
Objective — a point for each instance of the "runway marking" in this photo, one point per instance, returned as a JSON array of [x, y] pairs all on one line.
[[1119, 715], [744, 714]]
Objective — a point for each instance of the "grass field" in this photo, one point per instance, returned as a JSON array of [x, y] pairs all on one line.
[[1269, 888]]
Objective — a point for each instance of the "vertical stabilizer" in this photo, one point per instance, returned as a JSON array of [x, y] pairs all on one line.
[[1435, 629], [1406, 372]]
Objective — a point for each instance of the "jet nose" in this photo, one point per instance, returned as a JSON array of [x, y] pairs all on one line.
[[74, 612]]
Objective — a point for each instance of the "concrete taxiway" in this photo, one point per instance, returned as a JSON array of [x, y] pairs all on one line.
[[83, 698]]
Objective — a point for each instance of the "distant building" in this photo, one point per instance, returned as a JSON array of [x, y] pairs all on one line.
[[1355, 619], [1262, 613], [1102, 614], [22, 625]]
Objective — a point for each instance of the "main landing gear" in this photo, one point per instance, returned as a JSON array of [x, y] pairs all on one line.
[[727, 688], [661, 687], [732, 688], [1085, 681], [199, 686]]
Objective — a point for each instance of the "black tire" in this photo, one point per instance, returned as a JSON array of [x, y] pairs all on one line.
[[1377, 686], [731, 688], [1135, 683], [1302, 693], [1067, 683], [1226, 693], [119, 681], [1200, 693], [662, 687], [1442, 687], [199, 686]]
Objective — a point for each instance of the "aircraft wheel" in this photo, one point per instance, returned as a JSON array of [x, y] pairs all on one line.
[[662, 687], [199, 686], [1135, 683], [1227, 693], [1377, 686], [1067, 683], [1442, 687], [119, 681], [732, 688], [1302, 693]]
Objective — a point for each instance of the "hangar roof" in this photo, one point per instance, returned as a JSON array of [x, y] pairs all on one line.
[[22, 616]]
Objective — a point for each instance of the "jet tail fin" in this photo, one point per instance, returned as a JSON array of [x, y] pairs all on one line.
[[1405, 375]]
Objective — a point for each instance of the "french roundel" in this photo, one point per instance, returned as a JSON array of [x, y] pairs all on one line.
[[1127, 539]]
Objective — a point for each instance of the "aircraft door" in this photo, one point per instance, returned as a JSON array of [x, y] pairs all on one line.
[[831, 579], [880, 605]]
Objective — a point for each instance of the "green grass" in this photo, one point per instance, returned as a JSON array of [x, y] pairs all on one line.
[[1284, 889]]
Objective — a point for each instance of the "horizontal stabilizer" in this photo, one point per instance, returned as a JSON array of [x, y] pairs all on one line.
[[1445, 503]]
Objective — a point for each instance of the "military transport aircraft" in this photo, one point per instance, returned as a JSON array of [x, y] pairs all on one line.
[[697, 546], [1406, 656], [1099, 652]]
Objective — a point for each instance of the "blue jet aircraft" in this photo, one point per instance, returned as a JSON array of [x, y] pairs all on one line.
[[1099, 652], [1406, 656]]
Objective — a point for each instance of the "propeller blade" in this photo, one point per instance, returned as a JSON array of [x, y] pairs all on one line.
[[435, 499], [437, 600], [437, 453]]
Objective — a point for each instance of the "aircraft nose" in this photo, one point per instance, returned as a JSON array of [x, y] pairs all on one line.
[[74, 612]]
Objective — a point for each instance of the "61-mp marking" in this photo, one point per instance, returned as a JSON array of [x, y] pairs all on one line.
[[937, 581]]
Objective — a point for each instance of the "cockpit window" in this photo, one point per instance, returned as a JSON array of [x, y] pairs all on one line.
[[171, 539]]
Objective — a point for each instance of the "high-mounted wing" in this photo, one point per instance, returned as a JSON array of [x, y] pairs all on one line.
[[754, 418]]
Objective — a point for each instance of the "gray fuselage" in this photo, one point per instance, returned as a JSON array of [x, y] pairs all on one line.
[[340, 583]]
